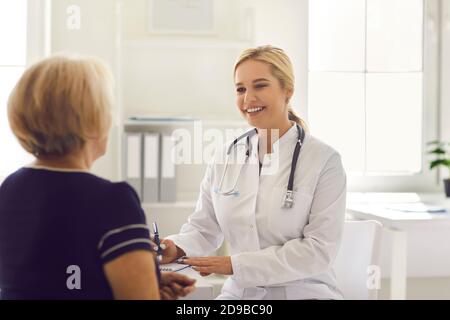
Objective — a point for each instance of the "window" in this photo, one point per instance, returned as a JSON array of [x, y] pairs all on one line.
[[13, 36], [365, 83]]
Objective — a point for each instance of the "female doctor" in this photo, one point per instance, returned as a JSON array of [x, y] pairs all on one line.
[[281, 209]]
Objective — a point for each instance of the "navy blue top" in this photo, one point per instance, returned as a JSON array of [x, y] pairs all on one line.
[[57, 229]]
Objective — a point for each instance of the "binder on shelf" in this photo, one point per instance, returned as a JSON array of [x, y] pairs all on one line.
[[132, 164], [168, 192], [151, 167]]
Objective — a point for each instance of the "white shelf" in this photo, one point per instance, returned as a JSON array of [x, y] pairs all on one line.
[[185, 43], [178, 204], [180, 122]]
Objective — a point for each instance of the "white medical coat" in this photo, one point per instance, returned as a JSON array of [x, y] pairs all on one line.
[[276, 253]]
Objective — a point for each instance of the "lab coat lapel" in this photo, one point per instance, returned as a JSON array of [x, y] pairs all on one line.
[[236, 214], [248, 239]]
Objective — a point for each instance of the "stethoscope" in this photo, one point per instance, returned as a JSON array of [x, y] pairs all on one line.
[[289, 196]]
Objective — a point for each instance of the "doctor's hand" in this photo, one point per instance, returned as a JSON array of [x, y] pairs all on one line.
[[174, 285], [170, 251], [207, 265]]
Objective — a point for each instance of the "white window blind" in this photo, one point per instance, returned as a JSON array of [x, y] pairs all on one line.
[[365, 95]]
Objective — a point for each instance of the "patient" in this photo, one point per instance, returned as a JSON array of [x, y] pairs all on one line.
[[64, 232]]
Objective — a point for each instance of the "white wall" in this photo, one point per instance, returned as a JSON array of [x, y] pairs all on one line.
[[95, 37], [176, 75], [284, 23], [208, 62]]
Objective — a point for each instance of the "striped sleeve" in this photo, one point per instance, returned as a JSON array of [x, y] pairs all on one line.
[[124, 228]]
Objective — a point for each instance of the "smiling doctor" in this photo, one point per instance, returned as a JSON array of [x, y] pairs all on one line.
[[283, 222]]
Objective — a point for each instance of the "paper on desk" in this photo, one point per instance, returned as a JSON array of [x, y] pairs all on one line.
[[173, 267], [416, 207], [206, 288], [382, 197]]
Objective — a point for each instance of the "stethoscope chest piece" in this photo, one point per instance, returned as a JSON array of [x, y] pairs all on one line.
[[288, 202]]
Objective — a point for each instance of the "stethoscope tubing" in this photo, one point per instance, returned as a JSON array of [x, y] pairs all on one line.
[[248, 135]]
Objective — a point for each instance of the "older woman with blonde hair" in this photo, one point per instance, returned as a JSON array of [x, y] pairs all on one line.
[[64, 232]]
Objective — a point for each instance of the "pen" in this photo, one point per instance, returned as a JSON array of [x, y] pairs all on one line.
[[158, 248]]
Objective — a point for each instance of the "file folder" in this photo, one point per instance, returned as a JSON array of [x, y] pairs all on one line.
[[168, 192], [132, 164], [151, 167]]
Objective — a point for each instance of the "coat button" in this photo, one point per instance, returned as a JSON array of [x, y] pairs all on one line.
[[251, 226]]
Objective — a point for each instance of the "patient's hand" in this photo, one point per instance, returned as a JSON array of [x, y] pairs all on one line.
[[174, 285]]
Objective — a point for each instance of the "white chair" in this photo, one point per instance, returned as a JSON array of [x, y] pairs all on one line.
[[358, 252]]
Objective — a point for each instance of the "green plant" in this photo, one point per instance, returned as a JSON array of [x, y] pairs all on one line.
[[441, 151]]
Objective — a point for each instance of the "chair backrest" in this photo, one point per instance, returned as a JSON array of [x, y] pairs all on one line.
[[359, 251]]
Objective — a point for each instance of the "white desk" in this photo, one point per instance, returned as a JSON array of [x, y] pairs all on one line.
[[386, 208]]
